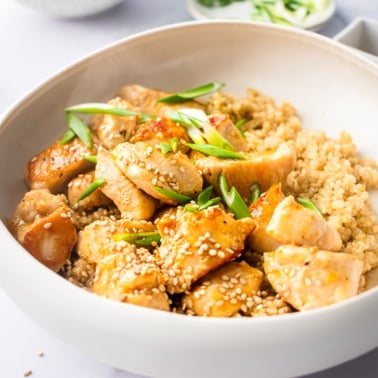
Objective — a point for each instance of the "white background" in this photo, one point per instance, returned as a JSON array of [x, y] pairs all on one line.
[[34, 46]]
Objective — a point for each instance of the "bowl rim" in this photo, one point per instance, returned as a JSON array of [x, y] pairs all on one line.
[[123, 308]]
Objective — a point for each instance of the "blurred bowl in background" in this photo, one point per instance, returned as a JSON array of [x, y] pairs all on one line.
[[70, 8]]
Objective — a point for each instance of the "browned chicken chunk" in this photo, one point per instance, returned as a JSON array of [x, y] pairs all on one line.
[[229, 131], [131, 201], [161, 130], [78, 186], [95, 239], [147, 167], [111, 129], [266, 168], [42, 224], [129, 274], [223, 292], [194, 243], [54, 167], [261, 211], [292, 223], [145, 99], [308, 278]]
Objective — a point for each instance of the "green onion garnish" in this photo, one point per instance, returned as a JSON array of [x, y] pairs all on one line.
[[91, 188], [173, 195], [67, 137], [91, 158], [101, 108], [309, 205], [140, 238], [76, 125], [233, 199], [169, 147], [210, 150], [209, 203], [192, 93], [217, 3], [239, 124], [255, 192]]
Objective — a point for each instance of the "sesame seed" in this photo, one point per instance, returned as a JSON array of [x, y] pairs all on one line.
[[64, 215], [47, 225], [182, 169], [40, 354], [27, 373], [212, 252]]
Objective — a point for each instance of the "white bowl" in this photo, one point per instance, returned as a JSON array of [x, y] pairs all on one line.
[[70, 8], [332, 87]]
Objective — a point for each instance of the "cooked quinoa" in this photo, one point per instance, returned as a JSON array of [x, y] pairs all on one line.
[[329, 171], [206, 264]]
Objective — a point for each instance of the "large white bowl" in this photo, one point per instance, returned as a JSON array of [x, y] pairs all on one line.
[[333, 89]]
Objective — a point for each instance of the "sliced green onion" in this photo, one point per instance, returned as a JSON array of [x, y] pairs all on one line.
[[91, 158], [80, 129], [175, 144], [205, 195], [169, 147], [67, 137], [91, 188], [192, 93], [173, 195], [233, 199], [255, 192], [141, 238], [209, 203], [239, 124], [102, 108], [309, 205], [210, 150]]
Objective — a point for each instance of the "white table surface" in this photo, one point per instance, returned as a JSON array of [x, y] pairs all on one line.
[[32, 47]]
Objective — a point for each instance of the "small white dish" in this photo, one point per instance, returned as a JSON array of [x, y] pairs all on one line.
[[70, 8], [242, 11], [362, 36]]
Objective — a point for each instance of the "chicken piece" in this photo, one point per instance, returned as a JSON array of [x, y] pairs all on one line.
[[54, 167], [229, 131], [146, 167], [194, 243], [111, 129], [97, 236], [129, 274], [131, 202], [78, 186], [42, 224], [266, 168], [223, 292], [145, 99], [292, 223], [308, 278], [160, 130], [261, 211]]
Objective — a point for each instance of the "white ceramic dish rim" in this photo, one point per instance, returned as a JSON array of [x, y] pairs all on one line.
[[91, 304], [194, 9]]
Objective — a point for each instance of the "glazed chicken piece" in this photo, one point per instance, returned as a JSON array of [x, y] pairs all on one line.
[[223, 292], [145, 99], [261, 212], [266, 168], [95, 239], [131, 201], [111, 129], [160, 130], [308, 278], [194, 243], [129, 274], [229, 131], [292, 223], [78, 186], [42, 224], [54, 167], [146, 167]]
